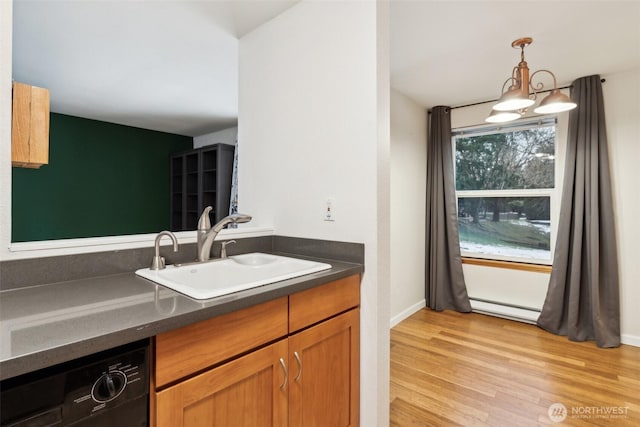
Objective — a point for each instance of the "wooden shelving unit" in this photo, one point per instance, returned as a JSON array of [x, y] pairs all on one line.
[[200, 178]]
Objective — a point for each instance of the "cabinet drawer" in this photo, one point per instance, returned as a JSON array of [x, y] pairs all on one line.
[[314, 305], [188, 350]]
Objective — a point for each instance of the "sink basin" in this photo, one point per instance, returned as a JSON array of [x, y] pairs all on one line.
[[236, 273], [258, 259]]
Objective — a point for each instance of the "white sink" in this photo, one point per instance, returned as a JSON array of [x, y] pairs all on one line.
[[236, 273]]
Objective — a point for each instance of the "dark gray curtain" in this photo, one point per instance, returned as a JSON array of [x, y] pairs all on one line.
[[445, 287], [583, 297]]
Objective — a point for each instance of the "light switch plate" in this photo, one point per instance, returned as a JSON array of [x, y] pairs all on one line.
[[330, 209]]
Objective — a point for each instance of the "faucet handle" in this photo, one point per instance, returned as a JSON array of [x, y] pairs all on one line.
[[157, 263], [223, 250], [204, 223]]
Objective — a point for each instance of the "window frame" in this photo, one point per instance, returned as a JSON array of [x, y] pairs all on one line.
[[554, 193]]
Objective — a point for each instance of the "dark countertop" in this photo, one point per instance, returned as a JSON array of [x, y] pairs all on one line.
[[44, 325]]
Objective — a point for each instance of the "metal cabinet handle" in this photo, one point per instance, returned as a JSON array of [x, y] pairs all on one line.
[[286, 374], [297, 356]]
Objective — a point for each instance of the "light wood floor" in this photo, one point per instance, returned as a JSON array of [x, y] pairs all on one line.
[[450, 369]]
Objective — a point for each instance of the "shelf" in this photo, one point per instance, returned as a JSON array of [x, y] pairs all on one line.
[[200, 178]]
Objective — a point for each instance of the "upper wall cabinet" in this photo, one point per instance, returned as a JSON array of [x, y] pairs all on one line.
[[30, 126]]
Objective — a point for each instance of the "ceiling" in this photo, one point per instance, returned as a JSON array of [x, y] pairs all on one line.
[[173, 65], [459, 52], [164, 65]]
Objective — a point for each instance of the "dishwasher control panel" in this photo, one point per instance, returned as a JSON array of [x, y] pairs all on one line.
[[105, 384], [101, 390]]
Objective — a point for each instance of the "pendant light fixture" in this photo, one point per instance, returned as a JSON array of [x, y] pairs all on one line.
[[516, 99]]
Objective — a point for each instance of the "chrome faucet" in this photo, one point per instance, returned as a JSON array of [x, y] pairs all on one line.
[[158, 262], [207, 233]]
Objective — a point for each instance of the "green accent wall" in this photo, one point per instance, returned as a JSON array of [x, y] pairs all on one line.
[[102, 179]]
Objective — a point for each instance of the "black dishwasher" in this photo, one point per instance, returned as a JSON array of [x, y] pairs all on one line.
[[106, 389]]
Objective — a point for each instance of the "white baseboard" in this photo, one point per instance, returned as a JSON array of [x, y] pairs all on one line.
[[630, 340], [407, 312], [529, 316], [507, 312]]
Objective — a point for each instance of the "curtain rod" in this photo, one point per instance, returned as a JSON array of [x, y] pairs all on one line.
[[494, 100]]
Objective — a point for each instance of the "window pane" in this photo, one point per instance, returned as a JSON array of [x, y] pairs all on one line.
[[505, 161], [505, 226]]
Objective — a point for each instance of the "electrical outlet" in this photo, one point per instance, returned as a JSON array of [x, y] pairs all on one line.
[[330, 209]]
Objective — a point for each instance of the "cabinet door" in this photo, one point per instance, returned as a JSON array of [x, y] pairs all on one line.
[[30, 126], [324, 373], [250, 391]]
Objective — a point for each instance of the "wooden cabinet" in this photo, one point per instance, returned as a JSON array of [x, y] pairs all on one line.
[[316, 304], [249, 391], [324, 373], [200, 178], [196, 347], [324, 355], [248, 368], [29, 126]]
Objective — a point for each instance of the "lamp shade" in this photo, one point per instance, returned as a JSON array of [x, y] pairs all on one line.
[[502, 116], [513, 99], [555, 102]]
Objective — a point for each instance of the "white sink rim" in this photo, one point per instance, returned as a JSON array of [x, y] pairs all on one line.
[[234, 275]]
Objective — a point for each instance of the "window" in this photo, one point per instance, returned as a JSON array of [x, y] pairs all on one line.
[[505, 182]]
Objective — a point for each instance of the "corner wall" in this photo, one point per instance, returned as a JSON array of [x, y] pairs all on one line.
[[408, 204], [313, 124]]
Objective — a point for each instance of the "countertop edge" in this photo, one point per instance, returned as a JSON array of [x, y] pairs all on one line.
[[13, 367]]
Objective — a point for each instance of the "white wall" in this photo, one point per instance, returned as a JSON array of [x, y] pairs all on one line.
[[224, 136], [519, 288], [622, 109], [408, 204], [313, 115], [6, 17]]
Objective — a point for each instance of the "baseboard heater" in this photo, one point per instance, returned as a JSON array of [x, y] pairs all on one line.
[[520, 314]]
